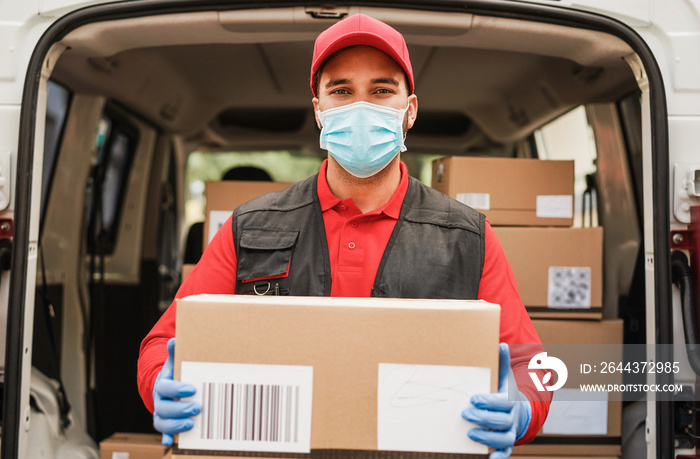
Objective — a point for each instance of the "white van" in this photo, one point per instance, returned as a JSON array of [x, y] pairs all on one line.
[[114, 114]]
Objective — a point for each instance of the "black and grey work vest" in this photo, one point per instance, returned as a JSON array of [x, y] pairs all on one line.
[[436, 249]]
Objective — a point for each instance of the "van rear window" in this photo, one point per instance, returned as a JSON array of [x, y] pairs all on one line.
[[57, 105], [116, 143]]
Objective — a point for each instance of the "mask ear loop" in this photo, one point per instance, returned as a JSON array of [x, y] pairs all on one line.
[[405, 132]]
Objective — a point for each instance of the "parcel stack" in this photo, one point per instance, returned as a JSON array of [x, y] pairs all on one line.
[[558, 269]]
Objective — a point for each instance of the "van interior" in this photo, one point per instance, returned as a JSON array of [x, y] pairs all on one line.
[[142, 111]]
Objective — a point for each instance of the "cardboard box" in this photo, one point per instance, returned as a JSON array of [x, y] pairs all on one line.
[[132, 446], [510, 191], [605, 332], [223, 197], [539, 456], [559, 271], [186, 270], [349, 343]]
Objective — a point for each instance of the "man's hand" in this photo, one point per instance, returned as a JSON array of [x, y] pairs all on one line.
[[172, 416], [502, 421]]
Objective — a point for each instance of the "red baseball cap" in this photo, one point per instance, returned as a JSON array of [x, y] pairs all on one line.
[[360, 29]]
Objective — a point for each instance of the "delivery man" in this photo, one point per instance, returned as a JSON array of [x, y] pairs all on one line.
[[361, 227]]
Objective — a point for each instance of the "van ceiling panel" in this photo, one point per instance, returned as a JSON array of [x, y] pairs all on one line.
[[180, 71]]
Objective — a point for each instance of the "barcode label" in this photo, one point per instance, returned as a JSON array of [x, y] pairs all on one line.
[[248, 407], [250, 412], [569, 287]]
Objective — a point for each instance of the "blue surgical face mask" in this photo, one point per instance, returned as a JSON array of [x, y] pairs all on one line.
[[362, 137]]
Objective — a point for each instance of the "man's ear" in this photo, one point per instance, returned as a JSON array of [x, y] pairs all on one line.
[[314, 101], [412, 111]]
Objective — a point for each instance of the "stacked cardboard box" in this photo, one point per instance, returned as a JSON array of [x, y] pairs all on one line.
[[529, 202], [123, 445], [223, 197], [513, 192], [581, 342], [558, 269], [539, 456]]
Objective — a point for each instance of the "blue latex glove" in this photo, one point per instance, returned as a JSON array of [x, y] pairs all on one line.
[[503, 421], [172, 416]]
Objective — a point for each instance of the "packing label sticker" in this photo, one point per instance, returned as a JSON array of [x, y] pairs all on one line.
[[574, 412], [569, 287], [217, 218], [478, 201], [555, 206], [250, 407], [419, 407]]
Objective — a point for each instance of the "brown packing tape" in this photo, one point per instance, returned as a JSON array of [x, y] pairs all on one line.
[[549, 313]]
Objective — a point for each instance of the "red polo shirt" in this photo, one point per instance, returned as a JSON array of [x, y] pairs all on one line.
[[356, 243]]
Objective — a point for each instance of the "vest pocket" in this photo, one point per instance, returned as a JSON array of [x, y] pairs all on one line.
[[264, 257]]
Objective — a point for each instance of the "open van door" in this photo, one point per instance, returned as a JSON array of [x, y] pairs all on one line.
[[102, 103]]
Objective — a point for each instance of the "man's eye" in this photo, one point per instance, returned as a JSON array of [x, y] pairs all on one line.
[[341, 92]]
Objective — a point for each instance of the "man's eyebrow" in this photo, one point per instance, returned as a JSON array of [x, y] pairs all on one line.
[[337, 81], [385, 80]]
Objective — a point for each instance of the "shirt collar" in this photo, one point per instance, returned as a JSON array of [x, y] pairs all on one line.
[[392, 208]]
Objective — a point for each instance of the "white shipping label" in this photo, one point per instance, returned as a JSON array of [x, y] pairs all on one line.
[[478, 201], [419, 407], [248, 407], [574, 412], [555, 206], [120, 455], [569, 287], [217, 218]]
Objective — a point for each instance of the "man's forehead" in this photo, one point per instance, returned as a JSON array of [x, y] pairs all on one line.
[[348, 81], [365, 56]]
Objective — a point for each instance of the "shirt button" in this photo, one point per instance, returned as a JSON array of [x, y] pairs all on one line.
[[353, 224], [351, 245], [342, 207]]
